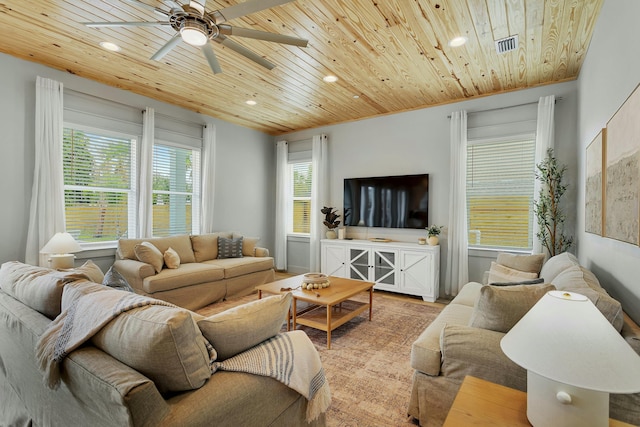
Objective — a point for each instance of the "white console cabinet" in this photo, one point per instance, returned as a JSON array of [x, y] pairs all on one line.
[[401, 267]]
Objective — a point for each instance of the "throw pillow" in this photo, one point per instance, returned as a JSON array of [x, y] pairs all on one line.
[[171, 258], [115, 280], [499, 308], [147, 253], [524, 282], [501, 274], [238, 329], [529, 263], [556, 265], [248, 244], [229, 248]]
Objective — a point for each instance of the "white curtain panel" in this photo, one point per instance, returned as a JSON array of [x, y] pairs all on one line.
[[145, 195], [457, 239], [46, 216], [208, 179], [282, 154], [319, 177], [544, 141]]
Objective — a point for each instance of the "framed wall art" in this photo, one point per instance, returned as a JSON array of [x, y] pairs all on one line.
[[594, 220], [622, 188]]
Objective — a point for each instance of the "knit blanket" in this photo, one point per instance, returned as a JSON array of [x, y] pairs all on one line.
[[291, 359], [85, 315]]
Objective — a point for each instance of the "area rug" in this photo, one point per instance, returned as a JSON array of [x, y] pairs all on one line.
[[368, 365]]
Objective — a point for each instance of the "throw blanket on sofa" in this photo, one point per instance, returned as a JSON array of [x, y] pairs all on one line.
[[85, 316], [291, 359]]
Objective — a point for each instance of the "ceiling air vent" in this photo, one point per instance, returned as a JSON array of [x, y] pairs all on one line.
[[507, 44]]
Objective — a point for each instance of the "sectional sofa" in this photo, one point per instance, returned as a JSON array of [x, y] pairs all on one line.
[[465, 337], [195, 273], [149, 366]]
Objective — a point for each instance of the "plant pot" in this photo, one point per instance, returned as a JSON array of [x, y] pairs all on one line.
[[331, 234], [433, 240]]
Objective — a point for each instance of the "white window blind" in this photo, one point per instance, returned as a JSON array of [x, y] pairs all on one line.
[[176, 191], [500, 186], [99, 184], [300, 175]]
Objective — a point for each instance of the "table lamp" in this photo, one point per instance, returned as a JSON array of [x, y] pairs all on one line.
[[60, 249], [574, 358]]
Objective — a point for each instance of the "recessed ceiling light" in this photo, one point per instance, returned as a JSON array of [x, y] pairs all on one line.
[[356, 96], [251, 102], [110, 46], [330, 79], [457, 41]]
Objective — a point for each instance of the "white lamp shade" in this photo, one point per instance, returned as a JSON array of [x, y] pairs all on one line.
[[565, 338], [61, 243]]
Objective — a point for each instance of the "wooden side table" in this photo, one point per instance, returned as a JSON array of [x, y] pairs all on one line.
[[483, 403]]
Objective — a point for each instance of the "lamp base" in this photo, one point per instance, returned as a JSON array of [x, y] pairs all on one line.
[[61, 261], [550, 403]]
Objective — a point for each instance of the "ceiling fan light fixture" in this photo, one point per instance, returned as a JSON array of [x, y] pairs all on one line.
[[194, 33]]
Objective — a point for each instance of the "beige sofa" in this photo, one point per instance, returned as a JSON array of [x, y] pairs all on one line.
[[201, 278], [450, 349], [102, 382]]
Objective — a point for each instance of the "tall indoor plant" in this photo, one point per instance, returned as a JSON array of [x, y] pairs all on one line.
[[549, 214]]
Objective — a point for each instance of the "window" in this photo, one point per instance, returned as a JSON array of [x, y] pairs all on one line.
[[176, 194], [99, 184], [300, 198], [500, 190]]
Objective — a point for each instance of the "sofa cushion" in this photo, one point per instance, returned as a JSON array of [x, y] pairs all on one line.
[[499, 308], [171, 258], [39, 288], [468, 295], [146, 252], [556, 265], [529, 263], [229, 248], [163, 343], [235, 267], [248, 244], [180, 243], [90, 270], [501, 274], [205, 246], [114, 280], [240, 328], [425, 351], [580, 280], [185, 275]]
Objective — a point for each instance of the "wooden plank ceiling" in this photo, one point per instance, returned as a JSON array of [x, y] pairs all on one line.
[[389, 55]]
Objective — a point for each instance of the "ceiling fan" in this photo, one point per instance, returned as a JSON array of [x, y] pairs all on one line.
[[195, 26]]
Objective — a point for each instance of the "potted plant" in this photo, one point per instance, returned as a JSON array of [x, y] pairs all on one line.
[[547, 209], [331, 221], [433, 231]]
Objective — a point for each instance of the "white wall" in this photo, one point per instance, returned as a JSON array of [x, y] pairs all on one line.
[[611, 71], [418, 142], [244, 177]]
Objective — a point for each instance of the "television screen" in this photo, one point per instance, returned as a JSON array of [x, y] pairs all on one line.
[[389, 201]]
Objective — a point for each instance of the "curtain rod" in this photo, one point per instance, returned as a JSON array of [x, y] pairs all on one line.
[[504, 108]]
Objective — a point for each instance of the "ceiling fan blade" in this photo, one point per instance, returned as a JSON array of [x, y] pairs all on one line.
[[208, 52], [242, 9], [126, 24], [172, 4], [261, 35], [146, 6], [167, 47], [244, 52]]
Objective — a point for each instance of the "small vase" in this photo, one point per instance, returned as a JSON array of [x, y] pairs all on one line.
[[331, 234], [433, 240]]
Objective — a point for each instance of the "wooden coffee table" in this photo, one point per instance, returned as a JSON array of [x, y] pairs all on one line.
[[326, 311]]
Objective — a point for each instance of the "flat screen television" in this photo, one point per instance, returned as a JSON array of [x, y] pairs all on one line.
[[387, 201]]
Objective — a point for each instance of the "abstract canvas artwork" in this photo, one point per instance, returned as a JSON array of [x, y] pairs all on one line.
[[622, 188], [594, 187]]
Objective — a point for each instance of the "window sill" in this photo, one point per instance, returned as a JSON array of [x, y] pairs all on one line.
[[300, 238], [480, 252]]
